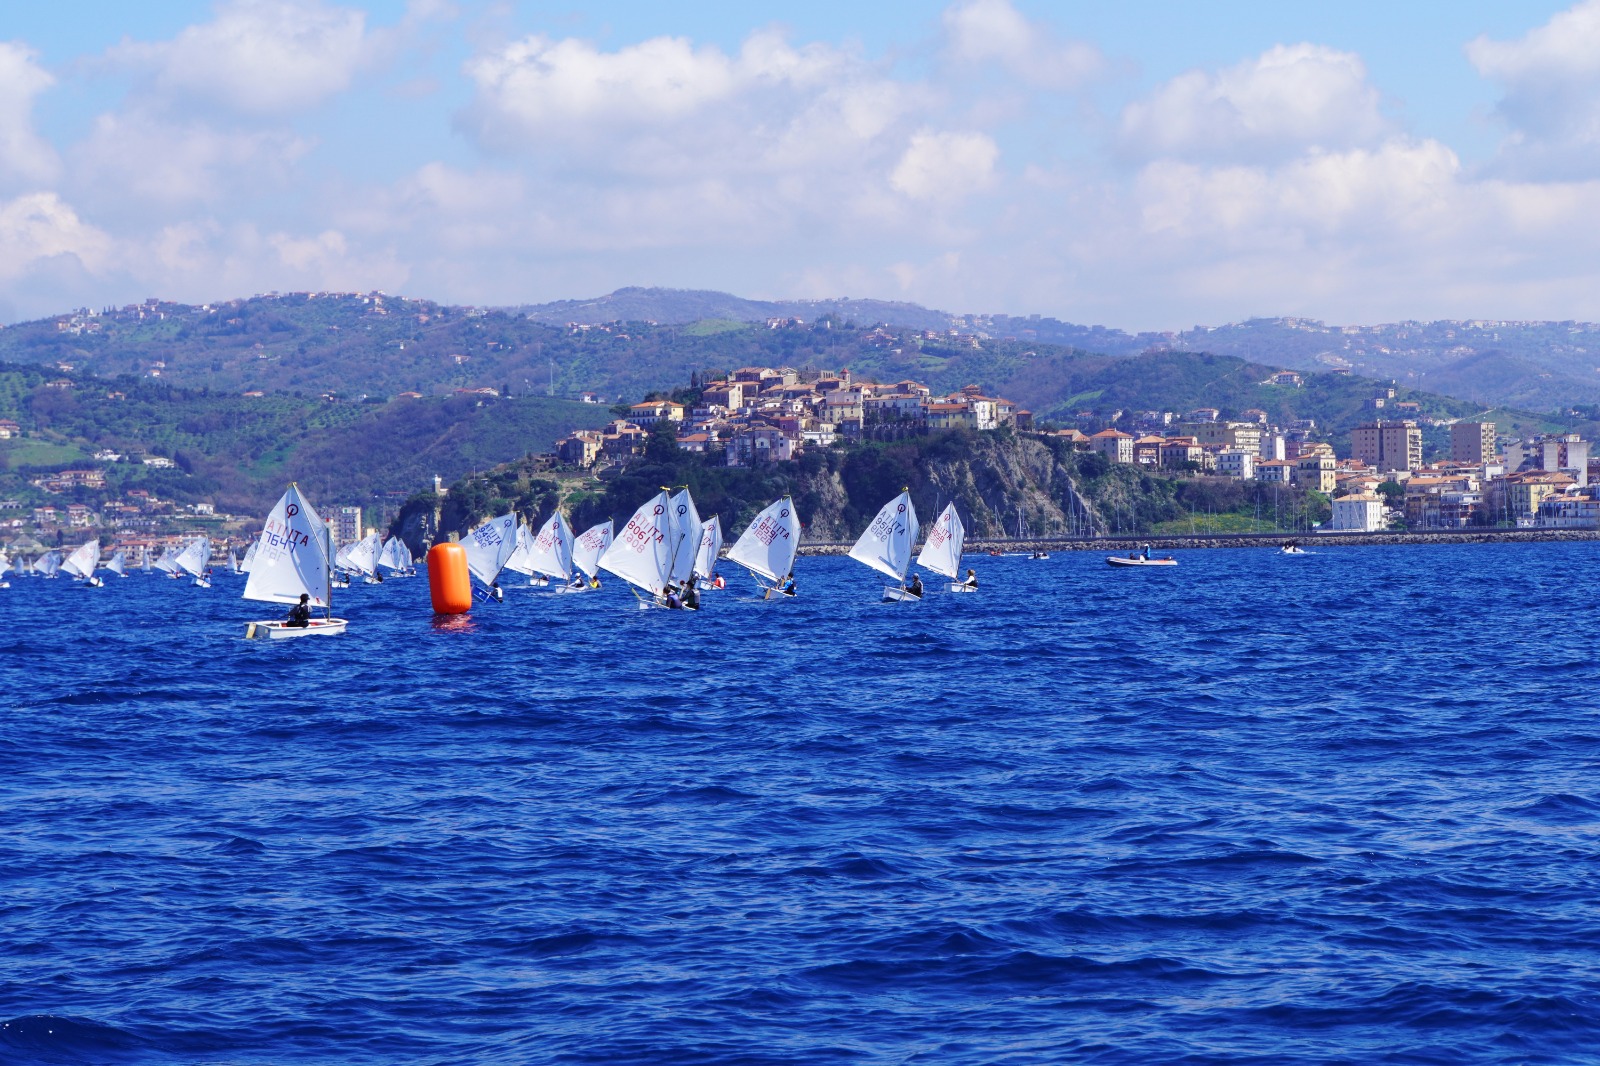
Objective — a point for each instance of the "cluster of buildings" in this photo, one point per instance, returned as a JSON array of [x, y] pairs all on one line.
[[763, 415], [1548, 481]]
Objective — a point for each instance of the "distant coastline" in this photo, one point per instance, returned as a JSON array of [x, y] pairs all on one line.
[[1255, 540]]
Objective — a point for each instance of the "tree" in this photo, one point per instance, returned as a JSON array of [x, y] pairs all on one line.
[[662, 444]]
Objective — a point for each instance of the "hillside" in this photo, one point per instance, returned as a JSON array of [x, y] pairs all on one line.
[[362, 348], [1000, 482], [238, 451]]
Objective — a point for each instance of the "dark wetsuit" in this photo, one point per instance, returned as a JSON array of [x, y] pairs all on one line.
[[299, 616]]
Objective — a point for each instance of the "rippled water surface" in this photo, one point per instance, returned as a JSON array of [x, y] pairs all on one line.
[[1338, 808]]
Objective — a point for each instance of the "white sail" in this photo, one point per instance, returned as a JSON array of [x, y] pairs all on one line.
[[705, 559], [683, 535], [586, 551], [195, 556], [768, 544], [551, 553], [642, 554], [363, 554], [144, 559], [168, 563], [84, 561], [5, 564], [521, 559], [292, 555], [489, 546], [118, 565], [48, 563], [249, 557], [942, 551], [886, 545], [393, 555]]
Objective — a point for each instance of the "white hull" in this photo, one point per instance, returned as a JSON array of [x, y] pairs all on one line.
[[770, 593], [893, 595], [962, 586], [1293, 551], [560, 590], [201, 583], [319, 627], [1117, 560]]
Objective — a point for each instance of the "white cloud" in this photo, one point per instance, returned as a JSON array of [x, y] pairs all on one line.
[[1290, 98], [23, 153], [981, 32], [40, 226], [1551, 102], [135, 159], [257, 57], [945, 167]]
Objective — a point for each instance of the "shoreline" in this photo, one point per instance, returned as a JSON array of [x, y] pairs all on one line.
[[1251, 540]]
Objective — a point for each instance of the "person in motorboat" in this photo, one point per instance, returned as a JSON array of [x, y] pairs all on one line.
[[972, 578], [300, 613], [915, 588], [1145, 550]]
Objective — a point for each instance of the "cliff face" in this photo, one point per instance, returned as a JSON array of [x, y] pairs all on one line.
[[1005, 484]]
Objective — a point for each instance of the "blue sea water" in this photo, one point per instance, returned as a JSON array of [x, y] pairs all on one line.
[[1340, 808]]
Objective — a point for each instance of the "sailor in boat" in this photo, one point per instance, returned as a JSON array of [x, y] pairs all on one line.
[[577, 581], [300, 613], [718, 583], [674, 601], [691, 595], [496, 593], [594, 581], [972, 578], [787, 587], [915, 588]]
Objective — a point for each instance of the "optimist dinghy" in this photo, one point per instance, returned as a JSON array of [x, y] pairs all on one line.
[[767, 548], [941, 552], [886, 545], [293, 557]]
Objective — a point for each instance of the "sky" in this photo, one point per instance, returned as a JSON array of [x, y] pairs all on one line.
[[1144, 165]]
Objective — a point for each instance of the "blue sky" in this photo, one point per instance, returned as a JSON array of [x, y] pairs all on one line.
[[1145, 165]]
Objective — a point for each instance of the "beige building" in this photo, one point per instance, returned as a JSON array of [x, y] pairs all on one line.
[[1472, 442], [1316, 471], [1387, 446], [1114, 445]]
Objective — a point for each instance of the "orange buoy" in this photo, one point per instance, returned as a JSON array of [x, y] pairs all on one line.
[[448, 580]]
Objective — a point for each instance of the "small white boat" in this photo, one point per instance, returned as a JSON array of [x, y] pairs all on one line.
[[1292, 549], [1139, 560], [941, 552], [961, 586], [886, 544], [318, 627], [767, 548], [294, 559], [1040, 555]]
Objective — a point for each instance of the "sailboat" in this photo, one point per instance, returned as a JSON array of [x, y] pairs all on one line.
[[488, 547], [684, 537], [5, 567], [194, 559], [144, 559], [941, 552], [705, 558], [118, 564], [395, 558], [642, 554], [47, 564], [521, 559], [233, 562], [550, 553], [362, 557], [886, 544], [168, 563], [293, 559], [249, 558], [83, 562], [586, 552], [767, 547]]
